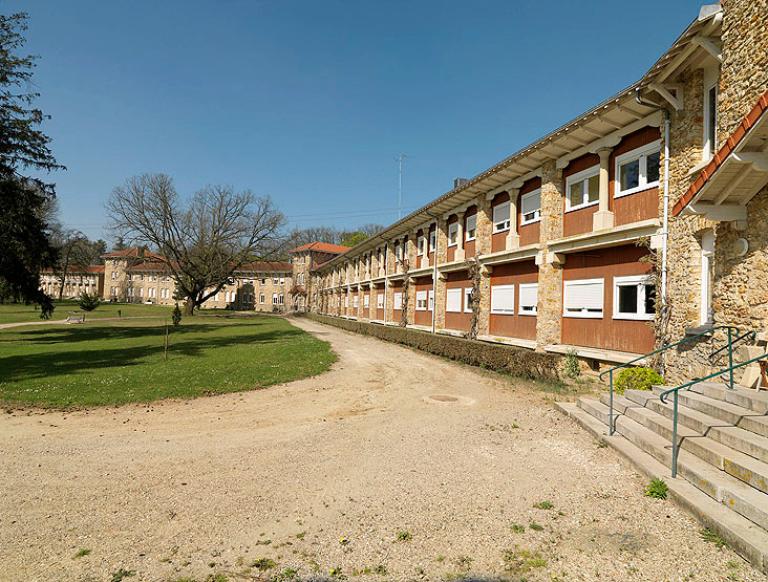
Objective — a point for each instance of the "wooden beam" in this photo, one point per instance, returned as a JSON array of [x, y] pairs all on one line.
[[710, 46], [720, 213]]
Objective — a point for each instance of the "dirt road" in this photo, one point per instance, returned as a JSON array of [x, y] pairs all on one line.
[[392, 466]]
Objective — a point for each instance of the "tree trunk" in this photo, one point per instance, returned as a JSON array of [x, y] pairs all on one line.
[[189, 306]]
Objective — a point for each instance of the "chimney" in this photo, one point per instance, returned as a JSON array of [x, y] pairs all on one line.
[[459, 182]]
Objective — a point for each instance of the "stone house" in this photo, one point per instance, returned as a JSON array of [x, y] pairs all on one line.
[[78, 281]]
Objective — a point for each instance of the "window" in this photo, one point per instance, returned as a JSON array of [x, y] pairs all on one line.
[[380, 301], [346, 301], [453, 301], [706, 273], [421, 300], [582, 189], [420, 242], [634, 297], [355, 301], [282, 280], [530, 207], [638, 170], [431, 299], [471, 230], [468, 300], [114, 275], [275, 280], [398, 300], [453, 234], [501, 217], [366, 301], [262, 298], [281, 299], [583, 298], [503, 299], [710, 120], [398, 252], [432, 240], [529, 298]]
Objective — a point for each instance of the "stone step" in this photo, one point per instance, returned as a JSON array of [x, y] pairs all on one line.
[[751, 399], [689, 417], [620, 403], [742, 534], [744, 467], [595, 409], [755, 424]]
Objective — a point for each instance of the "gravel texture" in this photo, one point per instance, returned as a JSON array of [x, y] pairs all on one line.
[[392, 466]]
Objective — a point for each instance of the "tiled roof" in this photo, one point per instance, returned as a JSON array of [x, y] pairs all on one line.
[[267, 266], [132, 252], [321, 247], [148, 266], [722, 154], [91, 269]]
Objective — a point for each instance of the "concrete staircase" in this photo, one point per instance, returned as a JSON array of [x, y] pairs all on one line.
[[723, 460]]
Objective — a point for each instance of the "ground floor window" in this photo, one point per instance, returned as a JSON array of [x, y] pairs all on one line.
[[529, 298], [468, 300], [503, 299], [366, 301], [398, 300], [634, 297], [584, 298], [380, 301], [453, 301], [421, 300]]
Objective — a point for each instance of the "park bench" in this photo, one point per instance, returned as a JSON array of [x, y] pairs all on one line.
[[76, 317]]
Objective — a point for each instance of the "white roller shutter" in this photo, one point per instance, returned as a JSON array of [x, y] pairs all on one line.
[[584, 298], [503, 299], [453, 301]]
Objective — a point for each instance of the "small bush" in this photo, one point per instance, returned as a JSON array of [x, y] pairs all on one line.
[[637, 379], [176, 316], [403, 536], [657, 489], [88, 302], [500, 358], [571, 366], [543, 505], [263, 564]]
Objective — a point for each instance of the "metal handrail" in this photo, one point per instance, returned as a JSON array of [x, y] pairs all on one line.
[[676, 391], [664, 348]]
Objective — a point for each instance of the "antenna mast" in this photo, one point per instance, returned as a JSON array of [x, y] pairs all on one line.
[[400, 161]]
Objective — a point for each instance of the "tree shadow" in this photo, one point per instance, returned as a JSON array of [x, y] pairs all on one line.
[[51, 362]]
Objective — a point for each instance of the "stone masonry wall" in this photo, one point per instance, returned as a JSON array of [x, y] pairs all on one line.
[[550, 308]]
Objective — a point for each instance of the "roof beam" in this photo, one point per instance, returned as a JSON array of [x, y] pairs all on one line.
[[721, 213], [673, 100], [629, 111], [731, 187], [758, 160], [710, 46]]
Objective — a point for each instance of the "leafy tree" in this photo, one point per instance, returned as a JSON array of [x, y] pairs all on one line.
[[89, 302], [119, 244], [25, 200], [176, 316], [202, 241]]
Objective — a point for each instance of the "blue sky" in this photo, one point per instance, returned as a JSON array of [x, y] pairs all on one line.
[[310, 101]]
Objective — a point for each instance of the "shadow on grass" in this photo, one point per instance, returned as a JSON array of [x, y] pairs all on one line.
[[51, 362]]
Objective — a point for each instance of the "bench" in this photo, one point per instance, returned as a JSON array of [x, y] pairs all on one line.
[[75, 317]]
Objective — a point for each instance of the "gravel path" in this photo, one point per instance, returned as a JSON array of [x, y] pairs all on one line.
[[323, 476]]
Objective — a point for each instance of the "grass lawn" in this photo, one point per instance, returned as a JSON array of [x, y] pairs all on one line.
[[104, 363], [15, 313]]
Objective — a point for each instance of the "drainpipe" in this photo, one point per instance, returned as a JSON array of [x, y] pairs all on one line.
[[434, 270]]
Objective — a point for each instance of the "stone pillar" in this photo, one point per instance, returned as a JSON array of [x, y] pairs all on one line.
[[389, 302], [484, 226], [459, 255], [484, 317], [411, 312], [550, 307], [513, 238], [410, 251], [603, 218]]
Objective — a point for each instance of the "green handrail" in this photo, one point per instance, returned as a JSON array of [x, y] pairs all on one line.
[[676, 391], [664, 348]]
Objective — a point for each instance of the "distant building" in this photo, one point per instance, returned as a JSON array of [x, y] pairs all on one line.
[[78, 281]]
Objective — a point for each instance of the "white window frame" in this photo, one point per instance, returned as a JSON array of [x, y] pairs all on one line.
[[711, 78], [641, 154], [467, 229], [627, 281], [582, 178], [456, 293], [536, 213], [706, 267], [453, 233], [397, 301], [584, 314], [432, 240], [422, 299], [522, 287], [421, 246], [380, 301], [366, 301], [495, 309], [430, 299], [499, 224], [467, 303]]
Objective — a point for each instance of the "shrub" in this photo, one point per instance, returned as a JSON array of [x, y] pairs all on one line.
[[571, 367], [176, 316], [637, 379], [657, 489], [89, 302], [497, 357]]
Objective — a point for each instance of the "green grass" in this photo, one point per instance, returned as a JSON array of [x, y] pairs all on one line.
[[657, 489], [111, 363], [16, 313]]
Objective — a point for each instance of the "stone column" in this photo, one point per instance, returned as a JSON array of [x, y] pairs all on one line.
[[513, 238], [373, 293], [441, 256], [550, 307], [603, 218], [484, 317], [411, 312], [484, 227], [459, 255]]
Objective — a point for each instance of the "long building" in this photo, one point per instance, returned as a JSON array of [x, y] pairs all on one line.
[[639, 219]]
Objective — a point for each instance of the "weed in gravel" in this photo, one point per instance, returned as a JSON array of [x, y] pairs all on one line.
[[301, 535], [535, 526], [263, 564], [657, 489], [521, 561], [544, 505], [712, 537], [121, 575], [601, 444], [403, 536], [440, 559], [344, 541], [517, 528], [336, 572], [464, 562], [263, 542], [216, 578], [287, 575], [82, 552], [381, 570]]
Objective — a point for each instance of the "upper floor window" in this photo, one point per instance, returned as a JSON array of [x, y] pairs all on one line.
[[432, 240], [398, 252], [471, 230], [582, 189], [501, 217], [453, 234], [710, 119], [638, 170], [530, 207], [420, 244]]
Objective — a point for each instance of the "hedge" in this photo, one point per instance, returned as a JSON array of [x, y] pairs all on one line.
[[501, 358]]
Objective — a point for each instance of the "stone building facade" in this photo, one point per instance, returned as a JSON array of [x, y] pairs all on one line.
[[88, 280], [584, 240]]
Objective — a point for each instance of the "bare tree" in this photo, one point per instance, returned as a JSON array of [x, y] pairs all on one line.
[[203, 241], [75, 253]]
